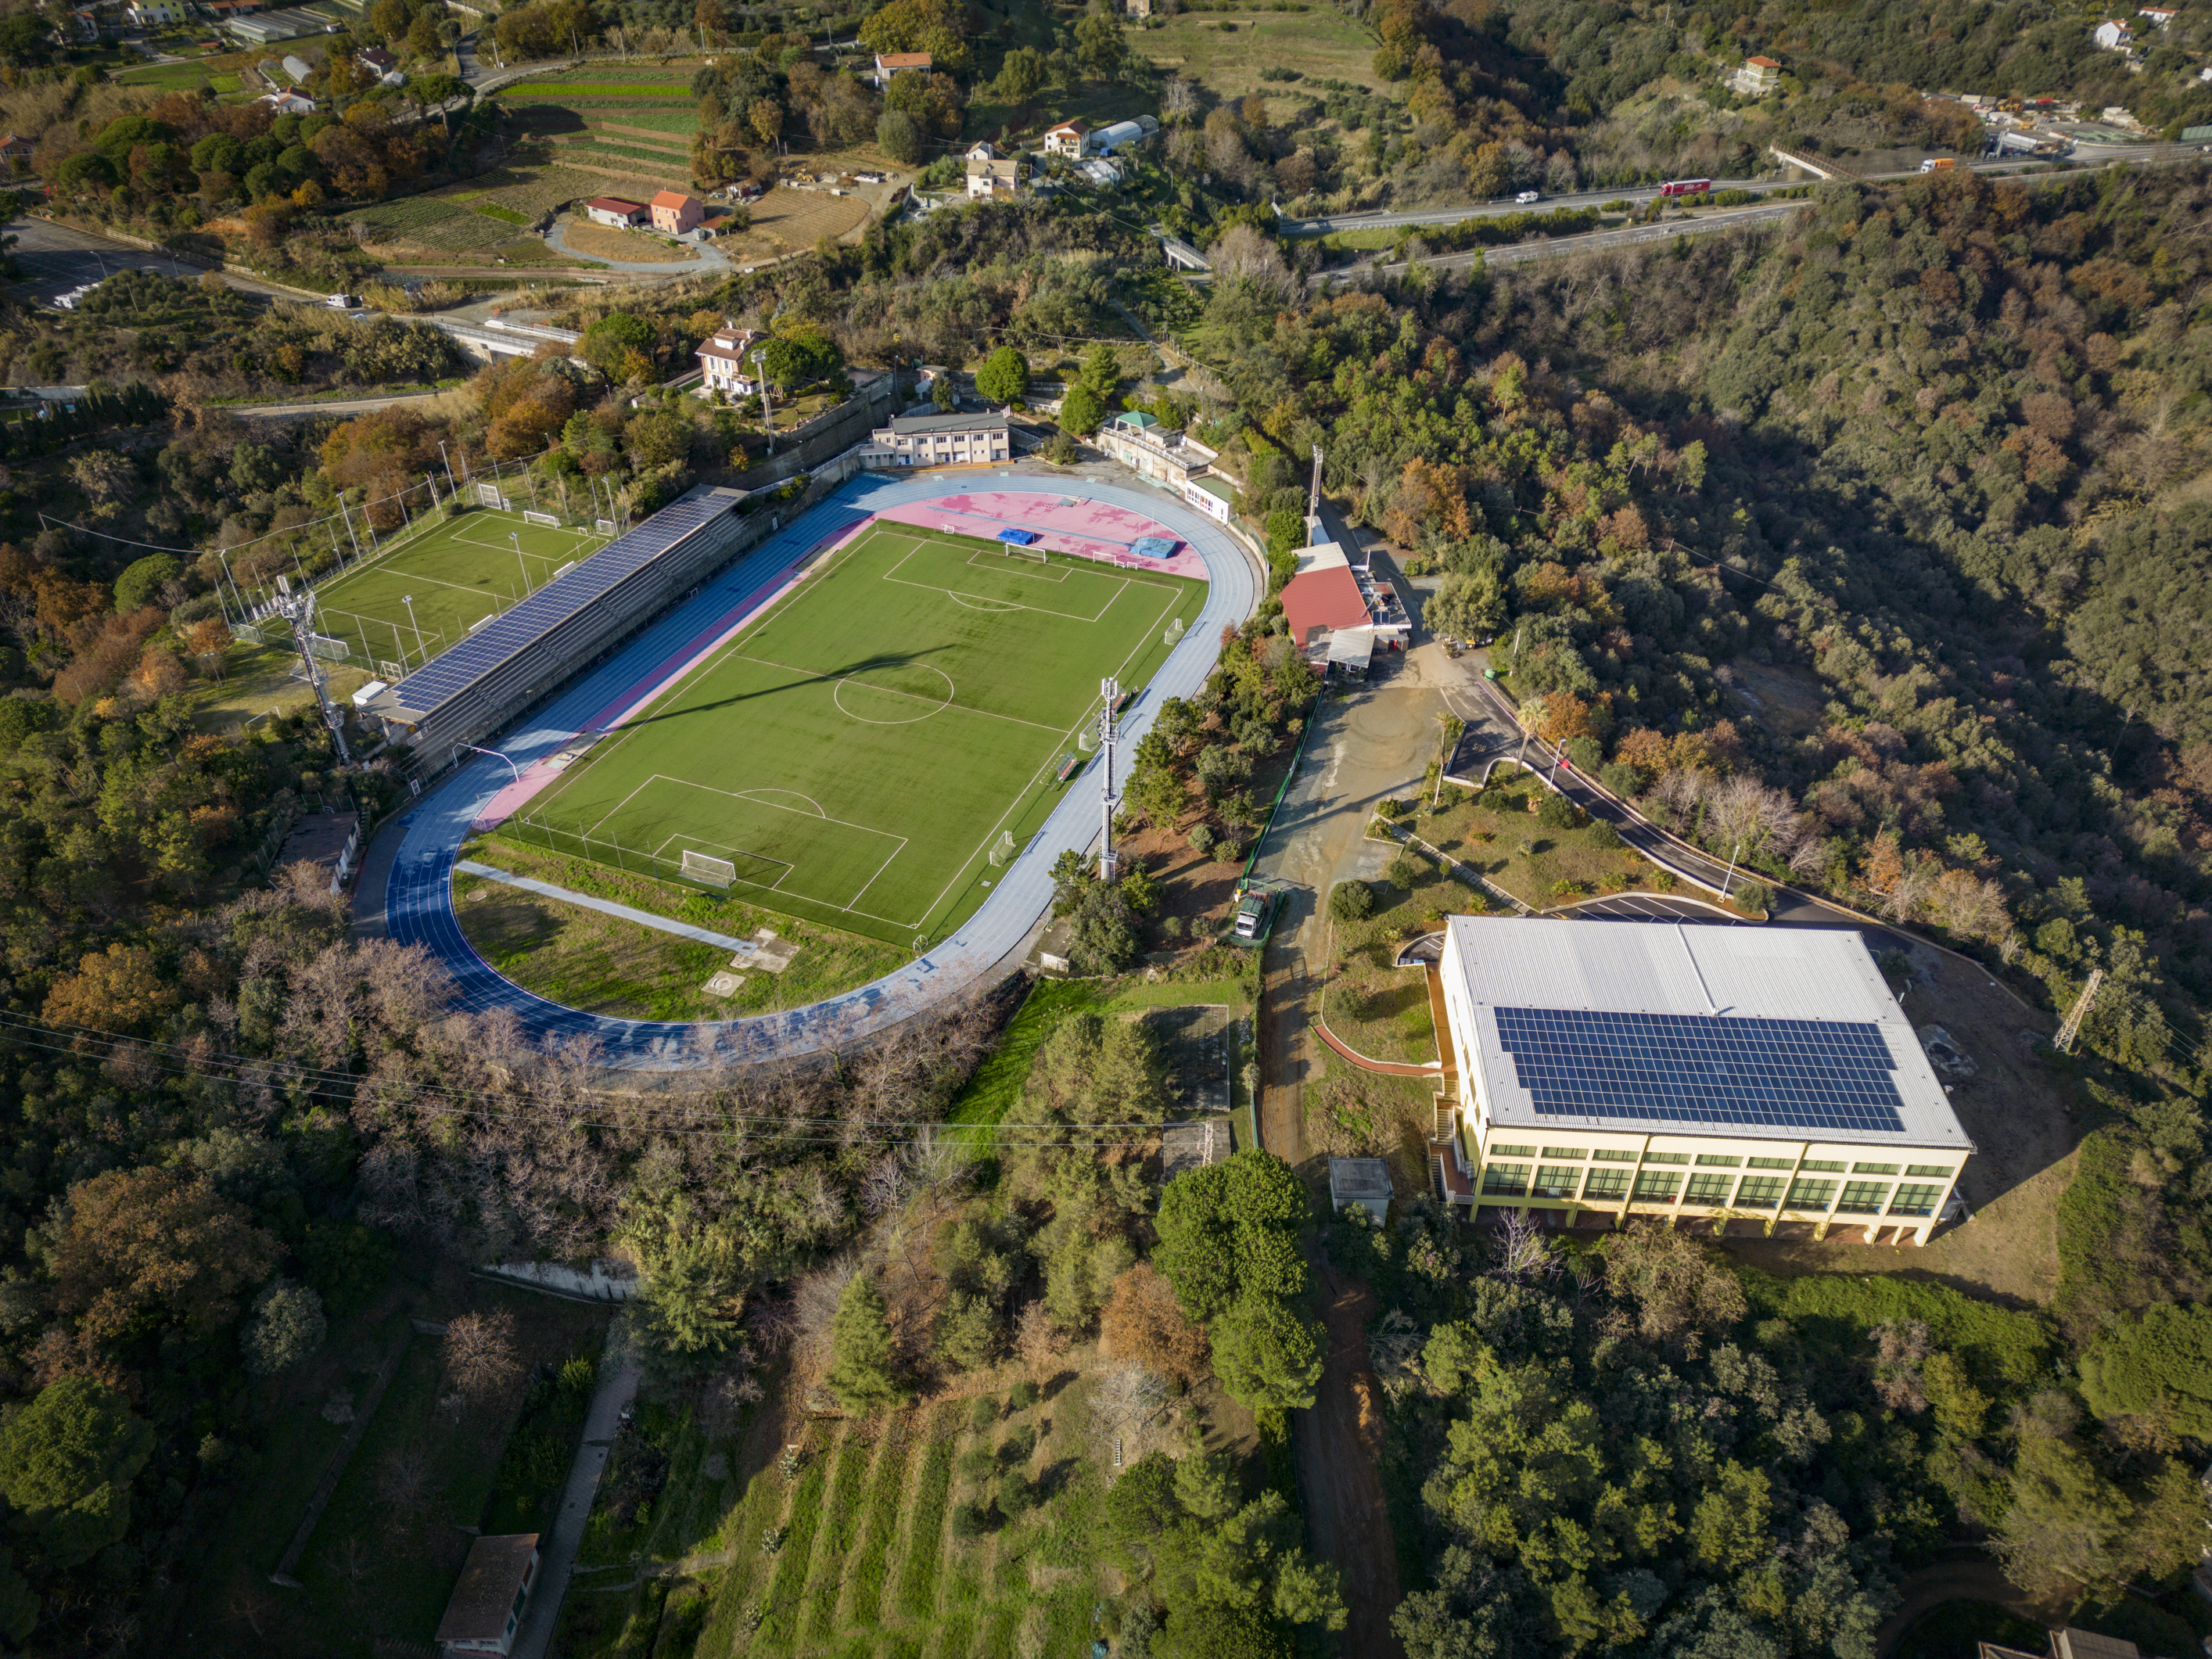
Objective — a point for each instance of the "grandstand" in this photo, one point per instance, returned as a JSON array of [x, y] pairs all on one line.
[[510, 661]]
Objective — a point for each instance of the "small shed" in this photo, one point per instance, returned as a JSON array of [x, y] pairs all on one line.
[[494, 1587], [1362, 1181], [1351, 652]]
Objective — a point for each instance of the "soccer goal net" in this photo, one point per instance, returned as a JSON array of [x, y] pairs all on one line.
[[1003, 853], [1174, 633], [545, 518], [328, 649], [390, 672], [604, 526], [708, 871], [1034, 555], [487, 496]]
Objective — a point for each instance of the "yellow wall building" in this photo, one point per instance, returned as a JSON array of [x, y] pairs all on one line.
[[1758, 1080]]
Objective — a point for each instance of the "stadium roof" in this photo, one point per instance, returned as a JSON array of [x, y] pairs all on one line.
[[1774, 1033], [450, 673]]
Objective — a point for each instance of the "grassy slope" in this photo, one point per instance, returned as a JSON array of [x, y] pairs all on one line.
[[815, 739], [1315, 43]]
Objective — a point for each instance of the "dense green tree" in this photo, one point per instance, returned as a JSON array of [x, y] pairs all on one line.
[[287, 1326], [1004, 377], [2156, 1367], [861, 1374], [67, 1460]]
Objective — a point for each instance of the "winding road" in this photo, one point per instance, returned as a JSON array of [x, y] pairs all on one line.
[[413, 892]]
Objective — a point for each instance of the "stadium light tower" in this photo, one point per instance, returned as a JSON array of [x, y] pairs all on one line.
[[1110, 691], [767, 403], [1313, 497]]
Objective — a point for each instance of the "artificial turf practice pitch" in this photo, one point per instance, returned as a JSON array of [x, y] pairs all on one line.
[[857, 753], [457, 573]]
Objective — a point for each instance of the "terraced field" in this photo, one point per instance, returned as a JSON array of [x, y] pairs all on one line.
[[869, 1560]]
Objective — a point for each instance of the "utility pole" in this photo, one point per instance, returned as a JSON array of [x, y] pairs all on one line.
[[1110, 691], [442, 456], [1453, 727], [2064, 1042], [300, 611], [1313, 499]]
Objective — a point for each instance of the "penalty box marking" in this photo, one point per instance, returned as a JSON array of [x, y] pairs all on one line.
[[954, 594], [752, 798]]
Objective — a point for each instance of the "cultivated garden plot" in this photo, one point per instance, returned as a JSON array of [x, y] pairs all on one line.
[[856, 757]]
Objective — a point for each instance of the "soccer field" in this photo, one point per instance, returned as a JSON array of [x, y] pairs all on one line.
[[458, 573], [856, 755]]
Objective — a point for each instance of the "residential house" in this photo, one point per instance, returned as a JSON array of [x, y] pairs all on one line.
[[329, 841], [382, 64], [1069, 138], [939, 440], [2160, 15], [1138, 8], [486, 1608], [1725, 1080], [891, 64], [726, 365], [983, 150], [1758, 77], [13, 148], [674, 213], [613, 210], [994, 180], [155, 13], [288, 103], [2114, 35]]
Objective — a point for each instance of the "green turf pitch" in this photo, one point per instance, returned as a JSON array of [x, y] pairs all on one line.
[[457, 573], [856, 754]]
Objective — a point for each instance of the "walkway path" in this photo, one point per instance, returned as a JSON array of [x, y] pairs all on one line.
[[556, 1550], [605, 907], [417, 902]]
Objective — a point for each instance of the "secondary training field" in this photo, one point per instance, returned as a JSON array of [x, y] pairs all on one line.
[[856, 755], [457, 574]]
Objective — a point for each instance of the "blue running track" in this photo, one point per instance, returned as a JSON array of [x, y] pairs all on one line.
[[419, 907]]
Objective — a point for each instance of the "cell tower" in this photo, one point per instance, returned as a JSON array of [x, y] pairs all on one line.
[[1110, 691], [299, 610]]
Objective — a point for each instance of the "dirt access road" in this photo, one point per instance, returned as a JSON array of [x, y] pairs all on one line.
[[1339, 1485]]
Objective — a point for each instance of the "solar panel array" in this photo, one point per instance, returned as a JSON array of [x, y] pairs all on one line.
[[1696, 1068], [451, 673]]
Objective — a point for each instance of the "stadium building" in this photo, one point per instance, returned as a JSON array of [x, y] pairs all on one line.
[[1754, 1079], [517, 656]]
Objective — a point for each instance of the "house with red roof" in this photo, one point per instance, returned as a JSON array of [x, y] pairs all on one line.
[[675, 213]]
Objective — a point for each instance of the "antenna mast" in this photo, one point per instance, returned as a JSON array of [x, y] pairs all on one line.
[[299, 610], [1109, 689], [2064, 1042]]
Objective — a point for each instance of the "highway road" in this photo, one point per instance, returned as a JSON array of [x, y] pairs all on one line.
[[2084, 156], [1560, 248]]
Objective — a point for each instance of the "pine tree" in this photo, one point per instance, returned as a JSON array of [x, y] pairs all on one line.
[[861, 1351]]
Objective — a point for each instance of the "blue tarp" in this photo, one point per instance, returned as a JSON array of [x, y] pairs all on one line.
[[1154, 547], [1018, 538]]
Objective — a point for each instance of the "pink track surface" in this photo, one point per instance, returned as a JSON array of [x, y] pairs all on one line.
[[1088, 529]]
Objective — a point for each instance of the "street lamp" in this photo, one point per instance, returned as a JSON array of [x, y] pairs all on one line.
[[407, 599], [495, 755], [1728, 880]]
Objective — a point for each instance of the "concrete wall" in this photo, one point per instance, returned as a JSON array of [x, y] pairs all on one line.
[[827, 436]]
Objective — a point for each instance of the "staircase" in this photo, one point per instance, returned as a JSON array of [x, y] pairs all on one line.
[[1437, 1176]]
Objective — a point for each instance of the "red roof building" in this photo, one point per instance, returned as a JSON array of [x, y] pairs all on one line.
[[674, 213], [1321, 601]]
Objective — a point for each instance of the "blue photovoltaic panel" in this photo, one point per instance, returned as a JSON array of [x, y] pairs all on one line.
[[453, 672], [1696, 1068]]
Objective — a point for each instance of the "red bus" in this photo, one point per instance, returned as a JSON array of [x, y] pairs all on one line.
[[1687, 187]]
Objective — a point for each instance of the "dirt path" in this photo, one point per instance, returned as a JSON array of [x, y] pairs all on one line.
[[1970, 1578], [1338, 1442]]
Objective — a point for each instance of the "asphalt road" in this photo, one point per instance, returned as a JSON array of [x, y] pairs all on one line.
[[55, 258], [2090, 155]]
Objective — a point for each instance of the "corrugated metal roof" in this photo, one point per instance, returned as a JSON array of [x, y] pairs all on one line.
[[1326, 598]]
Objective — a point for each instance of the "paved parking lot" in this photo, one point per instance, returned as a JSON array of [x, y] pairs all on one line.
[[54, 258]]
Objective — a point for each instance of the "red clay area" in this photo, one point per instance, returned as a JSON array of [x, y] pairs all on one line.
[[1066, 523]]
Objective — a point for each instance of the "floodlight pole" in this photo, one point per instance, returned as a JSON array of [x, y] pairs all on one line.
[[407, 599], [515, 536], [1110, 692], [447, 460], [1728, 880], [1313, 500]]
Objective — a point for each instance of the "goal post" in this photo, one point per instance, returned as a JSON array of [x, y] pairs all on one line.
[[1174, 633], [546, 519], [487, 496], [1034, 554], [709, 872], [1003, 853]]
